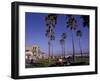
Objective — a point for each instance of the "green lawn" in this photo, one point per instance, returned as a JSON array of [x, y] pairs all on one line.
[[53, 62]]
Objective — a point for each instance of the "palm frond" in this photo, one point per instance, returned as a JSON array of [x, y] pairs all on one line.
[[79, 33]]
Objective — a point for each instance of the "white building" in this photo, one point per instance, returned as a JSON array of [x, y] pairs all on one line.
[[34, 52]]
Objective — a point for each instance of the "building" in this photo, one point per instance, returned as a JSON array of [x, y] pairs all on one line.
[[34, 53]]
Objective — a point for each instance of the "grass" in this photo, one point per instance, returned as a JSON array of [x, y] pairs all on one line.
[[54, 62]]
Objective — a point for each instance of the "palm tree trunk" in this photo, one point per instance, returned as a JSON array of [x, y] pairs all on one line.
[[73, 47], [49, 51], [64, 49], [52, 50], [80, 49]]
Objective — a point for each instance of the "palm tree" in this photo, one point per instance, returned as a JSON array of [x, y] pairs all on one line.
[[85, 20], [62, 41], [64, 37], [72, 24], [48, 34], [52, 39], [79, 35], [51, 21]]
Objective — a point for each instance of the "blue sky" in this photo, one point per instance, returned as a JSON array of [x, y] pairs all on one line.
[[35, 29]]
